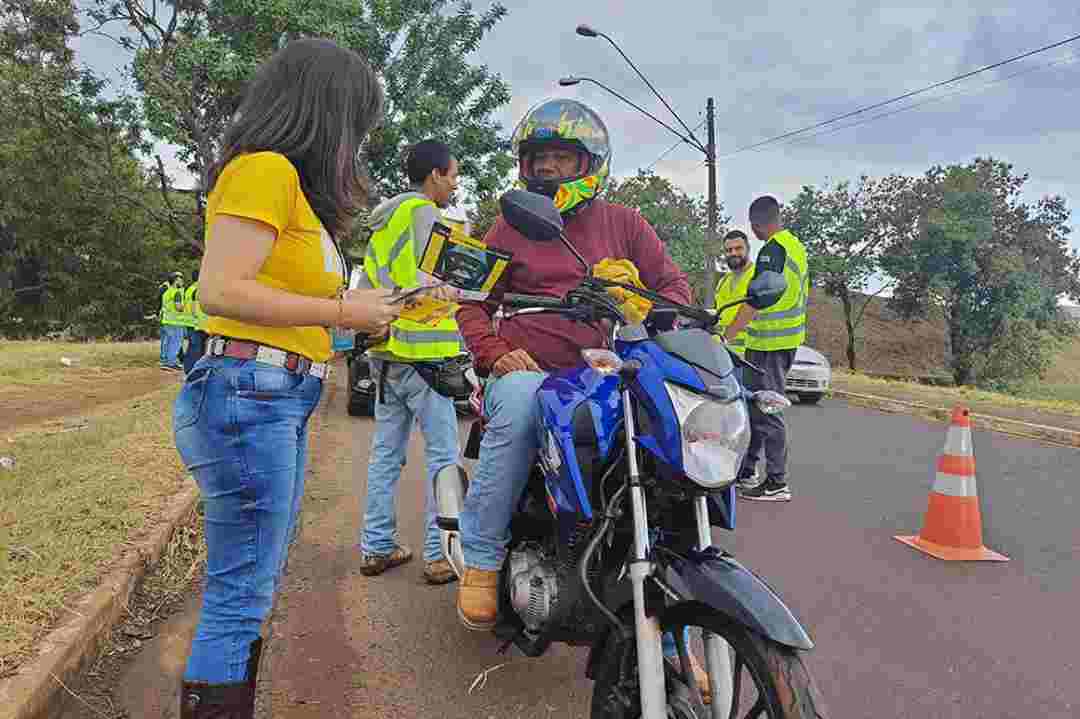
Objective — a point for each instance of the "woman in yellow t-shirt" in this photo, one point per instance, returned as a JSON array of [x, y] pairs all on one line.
[[272, 281]]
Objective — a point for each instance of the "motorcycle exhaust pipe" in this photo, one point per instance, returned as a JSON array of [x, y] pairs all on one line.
[[451, 484]]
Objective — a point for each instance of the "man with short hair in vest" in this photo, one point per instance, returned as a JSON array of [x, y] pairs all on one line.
[[401, 227], [772, 336]]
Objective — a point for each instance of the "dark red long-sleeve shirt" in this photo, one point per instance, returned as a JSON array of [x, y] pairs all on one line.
[[600, 231]]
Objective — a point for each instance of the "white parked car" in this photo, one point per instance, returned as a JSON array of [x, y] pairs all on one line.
[[810, 375]]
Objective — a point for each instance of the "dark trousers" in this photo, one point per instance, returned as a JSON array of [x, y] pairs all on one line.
[[195, 349], [767, 430]]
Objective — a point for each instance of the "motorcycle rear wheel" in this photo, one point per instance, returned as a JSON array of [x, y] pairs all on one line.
[[782, 686]]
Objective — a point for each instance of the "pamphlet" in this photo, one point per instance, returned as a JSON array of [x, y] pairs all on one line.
[[463, 262]]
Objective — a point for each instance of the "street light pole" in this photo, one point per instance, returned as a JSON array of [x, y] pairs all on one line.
[[708, 149], [710, 162]]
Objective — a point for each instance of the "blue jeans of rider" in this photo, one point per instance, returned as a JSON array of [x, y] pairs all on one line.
[[507, 453], [241, 429], [407, 397], [172, 338]]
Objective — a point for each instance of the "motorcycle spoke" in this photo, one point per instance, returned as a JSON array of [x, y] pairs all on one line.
[[757, 710]]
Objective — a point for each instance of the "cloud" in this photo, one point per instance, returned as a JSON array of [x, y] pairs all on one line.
[[772, 67]]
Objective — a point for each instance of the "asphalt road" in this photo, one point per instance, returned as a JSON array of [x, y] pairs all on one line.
[[898, 634]]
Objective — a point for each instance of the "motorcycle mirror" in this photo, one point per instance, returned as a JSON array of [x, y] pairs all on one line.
[[533, 215], [766, 290]]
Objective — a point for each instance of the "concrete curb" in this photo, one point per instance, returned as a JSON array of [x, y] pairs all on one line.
[[1014, 427], [35, 691]]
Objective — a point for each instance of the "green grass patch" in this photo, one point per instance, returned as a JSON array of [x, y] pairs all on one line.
[[29, 363], [73, 499]]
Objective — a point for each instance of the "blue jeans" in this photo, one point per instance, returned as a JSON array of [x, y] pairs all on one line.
[[195, 349], [407, 398], [241, 430], [507, 453], [172, 337]]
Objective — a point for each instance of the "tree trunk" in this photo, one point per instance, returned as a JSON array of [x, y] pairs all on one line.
[[959, 351], [849, 322]]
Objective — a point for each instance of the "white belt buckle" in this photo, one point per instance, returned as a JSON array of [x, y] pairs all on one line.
[[320, 370], [271, 356]]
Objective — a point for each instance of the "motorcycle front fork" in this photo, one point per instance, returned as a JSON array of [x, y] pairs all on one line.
[[650, 654]]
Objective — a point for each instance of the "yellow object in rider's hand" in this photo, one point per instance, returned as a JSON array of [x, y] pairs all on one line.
[[634, 307]]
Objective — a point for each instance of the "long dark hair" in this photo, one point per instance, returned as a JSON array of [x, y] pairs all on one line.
[[314, 102]]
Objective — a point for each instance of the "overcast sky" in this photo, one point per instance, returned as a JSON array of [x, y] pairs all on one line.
[[774, 66]]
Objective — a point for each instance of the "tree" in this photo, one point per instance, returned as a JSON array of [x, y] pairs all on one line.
[[191, 59], [995, 267], [80, 229], [680, 220], [846, 230], [483, 216]]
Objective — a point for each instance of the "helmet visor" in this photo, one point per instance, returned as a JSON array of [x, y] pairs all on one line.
[[553, 161]]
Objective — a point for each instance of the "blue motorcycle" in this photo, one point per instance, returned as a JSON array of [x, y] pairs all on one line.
[[612, 541]]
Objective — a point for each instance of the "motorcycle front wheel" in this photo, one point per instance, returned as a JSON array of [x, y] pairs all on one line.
[[770, 681]]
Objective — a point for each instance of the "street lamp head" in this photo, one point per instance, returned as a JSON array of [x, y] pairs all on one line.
[[586, 31], [568, 81]]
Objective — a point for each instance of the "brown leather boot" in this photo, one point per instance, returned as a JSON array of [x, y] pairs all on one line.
[[478, 599], [236, 700], [199, 700]]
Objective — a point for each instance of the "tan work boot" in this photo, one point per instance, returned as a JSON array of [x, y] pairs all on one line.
[[478, 599], [372, 565]]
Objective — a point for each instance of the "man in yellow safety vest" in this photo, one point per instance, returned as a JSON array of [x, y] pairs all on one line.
[[401, 227], [733, 285], [172, 322], [196, 333], [772, 336]]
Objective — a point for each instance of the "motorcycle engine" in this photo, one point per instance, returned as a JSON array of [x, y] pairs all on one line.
[[534, 585]]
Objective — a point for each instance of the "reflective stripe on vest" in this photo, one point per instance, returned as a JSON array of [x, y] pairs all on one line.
[[727, 291], [783, 326], [390, 262]]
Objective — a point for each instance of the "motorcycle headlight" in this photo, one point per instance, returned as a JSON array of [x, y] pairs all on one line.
[[715, 436]]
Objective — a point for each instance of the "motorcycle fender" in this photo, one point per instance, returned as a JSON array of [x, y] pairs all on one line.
[[720, 582]]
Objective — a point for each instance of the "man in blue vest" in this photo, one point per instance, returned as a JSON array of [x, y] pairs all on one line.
[[773, 334], [401, 227]]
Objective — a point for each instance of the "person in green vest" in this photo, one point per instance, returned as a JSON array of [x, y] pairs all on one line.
[[172, 322], [772, 336], [732, 286], [196, 333], [401, 227]]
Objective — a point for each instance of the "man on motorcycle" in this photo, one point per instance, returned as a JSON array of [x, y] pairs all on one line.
[[563, 151]]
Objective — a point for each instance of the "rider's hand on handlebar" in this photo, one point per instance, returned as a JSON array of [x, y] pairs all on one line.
[[515, 361]]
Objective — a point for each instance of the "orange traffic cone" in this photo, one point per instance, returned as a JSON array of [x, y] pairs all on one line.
[[952, 529]]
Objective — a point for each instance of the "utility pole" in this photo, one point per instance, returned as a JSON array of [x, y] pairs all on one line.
[[710, 162]]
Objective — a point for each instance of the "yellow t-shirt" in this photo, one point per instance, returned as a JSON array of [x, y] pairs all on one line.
[[265, 186]]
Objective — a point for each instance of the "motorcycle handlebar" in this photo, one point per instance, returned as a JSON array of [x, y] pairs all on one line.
[[540, 301]]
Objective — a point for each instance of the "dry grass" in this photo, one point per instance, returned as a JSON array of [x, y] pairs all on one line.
[[33, 363], [943, 396], [74, 497]]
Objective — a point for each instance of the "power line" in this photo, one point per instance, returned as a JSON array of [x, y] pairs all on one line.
[[898, 98], [671, 149], [803, 140]]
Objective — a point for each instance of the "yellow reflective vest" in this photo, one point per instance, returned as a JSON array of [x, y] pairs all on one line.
[[782, 326], [391, 262], [193, 307], [729, 289], [172, 307]]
